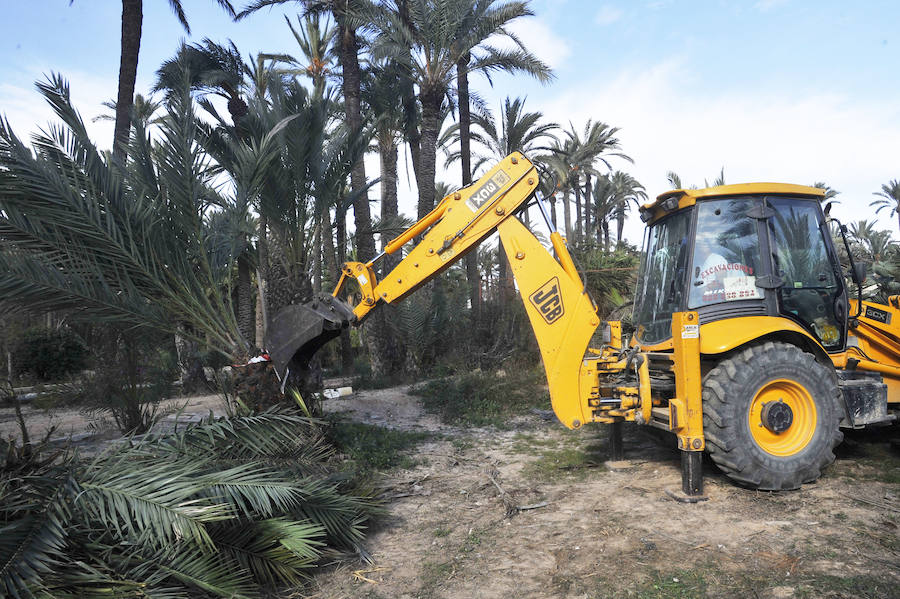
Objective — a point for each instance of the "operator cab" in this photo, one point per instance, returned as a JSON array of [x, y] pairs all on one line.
[[756, 249]]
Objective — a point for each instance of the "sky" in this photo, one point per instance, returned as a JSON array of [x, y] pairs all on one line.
[[793, 91]]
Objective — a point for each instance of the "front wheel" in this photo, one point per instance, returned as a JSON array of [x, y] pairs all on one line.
[[771, 415]]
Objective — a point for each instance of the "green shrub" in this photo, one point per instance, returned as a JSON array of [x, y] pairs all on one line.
[[130, 379], [484, 398], [374, 447], [49, 354]]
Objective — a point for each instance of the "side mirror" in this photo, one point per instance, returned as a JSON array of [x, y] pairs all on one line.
[[859, 272]]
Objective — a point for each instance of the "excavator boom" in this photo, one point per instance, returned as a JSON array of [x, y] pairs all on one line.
[[560, 311]]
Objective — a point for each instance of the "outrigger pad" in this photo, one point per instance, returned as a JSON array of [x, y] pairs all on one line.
[[297, 332]]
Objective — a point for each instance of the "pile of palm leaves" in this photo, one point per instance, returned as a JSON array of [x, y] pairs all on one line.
[[231, 507]]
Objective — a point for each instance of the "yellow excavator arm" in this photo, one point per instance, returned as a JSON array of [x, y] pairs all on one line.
[[561, 312]]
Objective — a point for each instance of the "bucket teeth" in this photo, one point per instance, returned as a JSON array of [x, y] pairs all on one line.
[[297, 332]]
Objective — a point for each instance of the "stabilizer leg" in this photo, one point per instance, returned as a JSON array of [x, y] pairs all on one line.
[[616, 447], [692, 473], [691, 479]]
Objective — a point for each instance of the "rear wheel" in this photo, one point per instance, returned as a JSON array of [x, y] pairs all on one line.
[[771, 415]]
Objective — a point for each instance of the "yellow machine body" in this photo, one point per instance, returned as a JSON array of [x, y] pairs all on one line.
[[662, 384]]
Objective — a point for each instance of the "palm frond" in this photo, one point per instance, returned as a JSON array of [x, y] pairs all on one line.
[[32, 546], [275, 551]]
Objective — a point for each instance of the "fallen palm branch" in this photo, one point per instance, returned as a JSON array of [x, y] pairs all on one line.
[[229, 507]]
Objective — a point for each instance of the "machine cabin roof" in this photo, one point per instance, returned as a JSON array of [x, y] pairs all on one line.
[[677, 199]]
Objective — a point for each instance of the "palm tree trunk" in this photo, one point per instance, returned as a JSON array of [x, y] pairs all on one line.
[[577, 211], [262, 280], [245, 300], [328, 253], [407, 90], [465, 149], [340, 218], [387, 150], [578, 230], [385, 348], [317, 259], [620, 223], [431, 108], [132, 21], [351, 81], [586, 198]]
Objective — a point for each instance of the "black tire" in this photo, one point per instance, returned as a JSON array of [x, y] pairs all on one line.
[[733, 386]]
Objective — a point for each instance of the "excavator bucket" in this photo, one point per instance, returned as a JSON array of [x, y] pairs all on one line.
[[297, 332]]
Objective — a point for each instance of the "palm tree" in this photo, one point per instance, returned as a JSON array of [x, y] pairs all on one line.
[[612, 196], [890, 194], [110, 245], [605, 204], [381, 98], [209, 68], [346, 15], [829, 192], [514, 131], [674, 180], [562, 174], [430, 38], [581, 151], [627, 190], [132, 21], [464, 100], [861, 230], [871, 245], [143, 110], [316, 41], [719, 180]]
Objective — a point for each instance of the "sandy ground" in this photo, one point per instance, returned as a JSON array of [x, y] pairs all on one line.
[[75, 422], [496, 514], [536, 511]]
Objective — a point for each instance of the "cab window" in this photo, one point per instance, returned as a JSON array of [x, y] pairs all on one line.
[[726, 254], [809, 286]]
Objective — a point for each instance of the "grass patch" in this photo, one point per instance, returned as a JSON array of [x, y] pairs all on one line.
[[434, 574], [874, 463], [846, 587], [684, 584], [532, 444], [484, 399], [442, 532], [556, 464], [370, 447]]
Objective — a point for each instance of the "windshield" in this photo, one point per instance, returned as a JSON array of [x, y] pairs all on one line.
[[661, 282], [726, 258]]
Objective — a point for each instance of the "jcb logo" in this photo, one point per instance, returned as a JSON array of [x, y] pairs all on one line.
[[548, 301]]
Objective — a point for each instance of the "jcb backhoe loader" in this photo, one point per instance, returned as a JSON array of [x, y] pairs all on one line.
[[746, 344]]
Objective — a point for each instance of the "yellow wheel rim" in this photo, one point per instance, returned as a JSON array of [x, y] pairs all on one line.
[[802, 415]]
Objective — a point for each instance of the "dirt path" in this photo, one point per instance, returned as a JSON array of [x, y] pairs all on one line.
[[535, 512], [85, 425]]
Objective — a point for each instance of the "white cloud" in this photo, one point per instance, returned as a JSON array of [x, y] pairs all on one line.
[[27, 111], [608, 14], [541, 41], [669, 122]]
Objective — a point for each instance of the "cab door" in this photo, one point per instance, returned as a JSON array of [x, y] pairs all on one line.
[[811, 292]]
